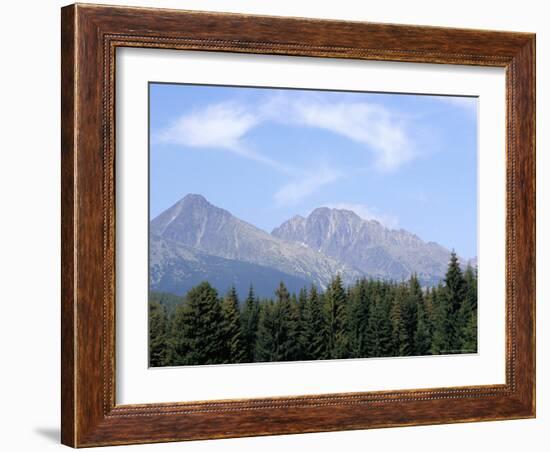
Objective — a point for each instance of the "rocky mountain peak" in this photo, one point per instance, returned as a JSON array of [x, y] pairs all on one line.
[[194, 222], [194, 199], [366, 245], [314, 248]]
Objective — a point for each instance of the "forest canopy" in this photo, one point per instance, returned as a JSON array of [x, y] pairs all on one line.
[[371, 318]]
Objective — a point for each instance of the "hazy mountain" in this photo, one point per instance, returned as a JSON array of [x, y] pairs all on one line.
[[202, 227], [176, 268], [367, 245]]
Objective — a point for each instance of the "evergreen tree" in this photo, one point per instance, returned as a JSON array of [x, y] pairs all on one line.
[[366, 300], [335, 320], [312, 334], [233, 344], [467, 314], [286, 326], [455, 291], [441, 323], [295, 328], [158, 338], [428, 307], [266, 347], [469, 338], [410, 313], [358, 315], [249, 325], [379, 328], [277, 339], [400, 339], [370, 318], [422, 337], [198, 328], [301, 323]]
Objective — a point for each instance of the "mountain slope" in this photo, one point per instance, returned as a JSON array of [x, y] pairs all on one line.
[[176, 268], [367, 245], [197, 224]]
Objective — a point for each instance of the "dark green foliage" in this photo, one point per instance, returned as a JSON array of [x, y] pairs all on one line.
[[277, 330], [336, 320], [370, 318], [414, 299], [469, 335], [400, 335], [422, 337], [197, 330], [286, 319], [249, 325], [266, 349], [312, 336], [379, 335], [169, 301], [158, 346], [233, 343], [358, 318], [455, 293], [467, 314], [440, 320]]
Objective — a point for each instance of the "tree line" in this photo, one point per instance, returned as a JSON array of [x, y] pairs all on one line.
[[370, 318]]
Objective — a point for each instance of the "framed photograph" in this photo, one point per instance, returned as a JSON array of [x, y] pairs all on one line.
[[282, 225]]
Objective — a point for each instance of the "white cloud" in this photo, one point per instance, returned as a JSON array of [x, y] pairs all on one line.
[[368, 213], [382, 132], [296, 190], [224, 126], [217, 126]]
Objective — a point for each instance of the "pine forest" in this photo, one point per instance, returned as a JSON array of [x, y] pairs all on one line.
[[370, 318]]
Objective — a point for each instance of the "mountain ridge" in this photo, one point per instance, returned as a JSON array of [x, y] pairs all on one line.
[[196, 223], [367, 245], [194, 240]]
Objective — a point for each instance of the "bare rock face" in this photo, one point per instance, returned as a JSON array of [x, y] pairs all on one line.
[[367, 245], [177, 268], [196, 223], [193, 241]]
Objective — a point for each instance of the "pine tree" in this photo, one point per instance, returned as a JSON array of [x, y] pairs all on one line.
[[295, 324], [379, 328], [469, 338], [365, 298], [286, 327], [312, 334], [335, 318], [455, 291], [198, 328], [400, 339], [158, 338], [467, 314], [370, 318], [266, 349], [440, 321], [422, 339], [410, 313], [428, 307], [233, 343], [249, 325], [277, 337], [357, 314]]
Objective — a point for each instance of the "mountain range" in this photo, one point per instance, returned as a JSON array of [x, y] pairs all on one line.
[[193, 241]]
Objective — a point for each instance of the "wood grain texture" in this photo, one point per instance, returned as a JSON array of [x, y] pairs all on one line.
[[90, 36], [68, 147]]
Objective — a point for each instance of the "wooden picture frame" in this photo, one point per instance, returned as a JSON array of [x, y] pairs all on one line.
[[90, 36]]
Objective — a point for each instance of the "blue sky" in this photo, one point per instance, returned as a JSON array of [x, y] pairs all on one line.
[[408, 161]]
